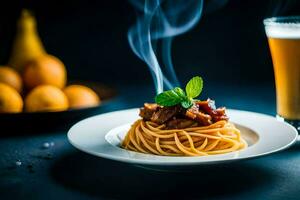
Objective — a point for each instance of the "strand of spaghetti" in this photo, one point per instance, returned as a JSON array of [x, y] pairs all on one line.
[[131, 148], [183, 148], [199, 143], [136, 145], [127, 140], [229, 125], [231, 136], [204, 135], [232, 129], [153, 128], [214, 130], [195, 136], [238, 133], [195, 140], [167, 142], [140, 135], [224, 146], [187, 147], [229, 141], [182, 137], [159, 131], [192, 144], [233, 148], [158, 146], [136, 135], [212, 145], [203, 145], [189, 139], [155, 134], [205, 128], [150, 143], [148, 136], [164, 144], [215, 125], [172, 148], [244, 143]]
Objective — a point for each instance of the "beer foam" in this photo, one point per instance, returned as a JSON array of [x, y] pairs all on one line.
[[283, 30]]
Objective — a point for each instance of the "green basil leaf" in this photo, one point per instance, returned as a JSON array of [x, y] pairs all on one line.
[[180, 93], [194, 87], [187, 104], [179, 96], [170, 97]]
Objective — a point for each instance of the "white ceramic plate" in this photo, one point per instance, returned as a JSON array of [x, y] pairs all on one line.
[[100, 136]]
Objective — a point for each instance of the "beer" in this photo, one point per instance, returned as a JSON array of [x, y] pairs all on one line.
[[284, 41]]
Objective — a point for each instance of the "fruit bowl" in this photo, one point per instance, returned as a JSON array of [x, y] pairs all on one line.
[[33, 122]]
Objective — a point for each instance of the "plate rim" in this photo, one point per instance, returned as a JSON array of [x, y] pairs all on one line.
[[176, 163]]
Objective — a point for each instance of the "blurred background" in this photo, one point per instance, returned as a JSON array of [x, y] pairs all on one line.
[[228, 45]]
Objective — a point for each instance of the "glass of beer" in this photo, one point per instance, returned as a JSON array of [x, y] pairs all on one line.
[[284, 40]]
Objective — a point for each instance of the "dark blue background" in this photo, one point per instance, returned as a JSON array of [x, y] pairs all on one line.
[[228, 45]]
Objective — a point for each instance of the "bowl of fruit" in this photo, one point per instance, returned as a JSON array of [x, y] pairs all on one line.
[[35, 93]]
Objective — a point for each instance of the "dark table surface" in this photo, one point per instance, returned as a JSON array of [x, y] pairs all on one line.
[[30, 171]]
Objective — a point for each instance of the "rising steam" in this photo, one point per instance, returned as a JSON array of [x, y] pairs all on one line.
[[161, 19]]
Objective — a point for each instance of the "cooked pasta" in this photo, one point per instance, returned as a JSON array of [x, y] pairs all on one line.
[[152, 138]]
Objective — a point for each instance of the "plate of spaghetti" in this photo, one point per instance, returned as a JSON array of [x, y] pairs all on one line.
[[180, 130]]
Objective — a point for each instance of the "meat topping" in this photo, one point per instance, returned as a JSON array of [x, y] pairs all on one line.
[[202, 113], [164, 114]]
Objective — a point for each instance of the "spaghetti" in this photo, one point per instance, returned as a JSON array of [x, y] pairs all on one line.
[[152, 138]]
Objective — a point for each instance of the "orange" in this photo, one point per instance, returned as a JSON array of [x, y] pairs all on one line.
[[45, 70], [46, 98], [10, 100], [10, 77], [80, 96]]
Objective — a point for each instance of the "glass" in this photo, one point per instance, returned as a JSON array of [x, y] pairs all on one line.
[[284, 41]]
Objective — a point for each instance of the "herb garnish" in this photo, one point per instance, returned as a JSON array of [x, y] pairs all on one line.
[[177, 96]]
